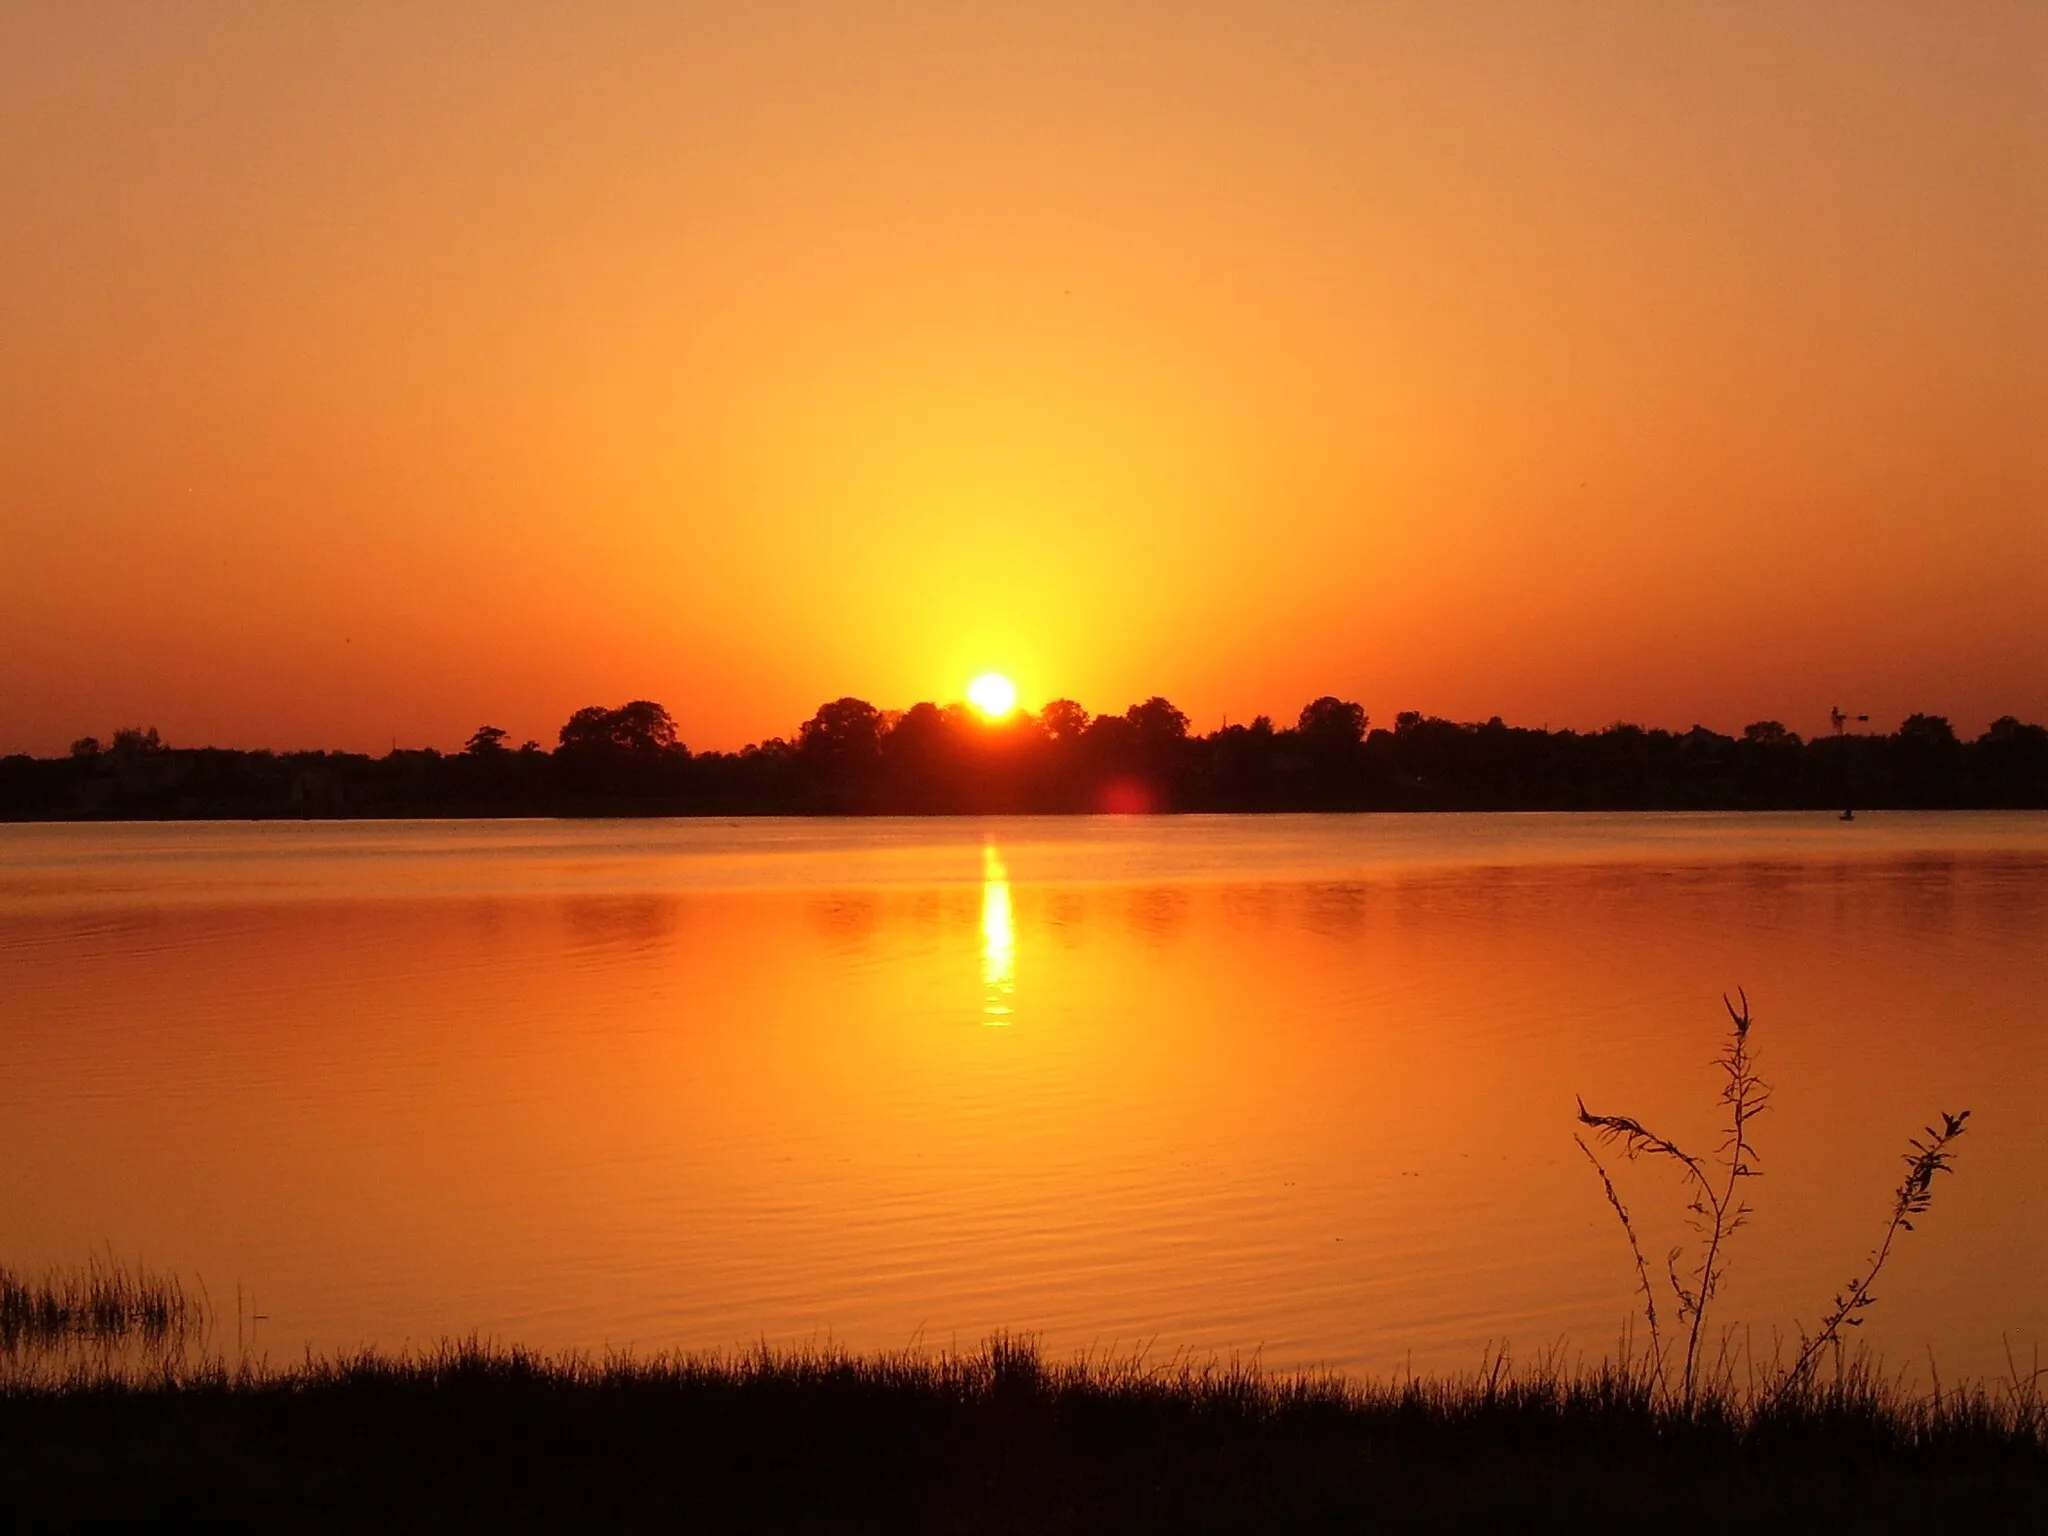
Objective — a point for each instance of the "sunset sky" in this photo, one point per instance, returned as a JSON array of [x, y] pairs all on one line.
[[372, 371]]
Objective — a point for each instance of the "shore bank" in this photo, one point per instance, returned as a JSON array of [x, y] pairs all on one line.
[[471, 1436]]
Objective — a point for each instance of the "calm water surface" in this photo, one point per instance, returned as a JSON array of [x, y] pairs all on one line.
[[1301, 1085]]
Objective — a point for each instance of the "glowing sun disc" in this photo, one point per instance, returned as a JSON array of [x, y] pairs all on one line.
[[993, 694]]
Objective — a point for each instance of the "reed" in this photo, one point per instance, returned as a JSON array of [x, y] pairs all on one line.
[[101, 1301]]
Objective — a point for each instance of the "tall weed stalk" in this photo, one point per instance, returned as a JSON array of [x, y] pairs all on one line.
[[1716, 1210], [1915, 1194]]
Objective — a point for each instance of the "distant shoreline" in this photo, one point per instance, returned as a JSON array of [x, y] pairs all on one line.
[[604, 813], [853, 760]]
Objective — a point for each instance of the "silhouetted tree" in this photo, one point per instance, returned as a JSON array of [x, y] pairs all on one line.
[[847, 733], [1156, 724], [840, 752], [1931, 731], [133, 741], [1135, 760], [485, 741], [920, 731], [1927, 756], [1063, 720], [1332, 722], [2009, 730], [1326, 757], [644, 726], [918, 752], [641, 726], [1764, 770], [588, 728], [631, 751], [1109, 738], [1769, 733], [1241, 766], [2015, 757]]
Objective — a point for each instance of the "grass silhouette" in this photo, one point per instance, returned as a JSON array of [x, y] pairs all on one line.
[[101, 1301], [469, 1435]]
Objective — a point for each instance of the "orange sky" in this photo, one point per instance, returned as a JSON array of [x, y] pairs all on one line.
[[370, 372]]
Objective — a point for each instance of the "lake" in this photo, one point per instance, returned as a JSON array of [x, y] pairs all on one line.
[[1301, 1086]]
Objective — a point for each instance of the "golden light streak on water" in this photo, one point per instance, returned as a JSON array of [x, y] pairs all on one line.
[[998, 938]]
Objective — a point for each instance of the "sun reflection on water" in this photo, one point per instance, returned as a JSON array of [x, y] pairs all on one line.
[[998, 938]]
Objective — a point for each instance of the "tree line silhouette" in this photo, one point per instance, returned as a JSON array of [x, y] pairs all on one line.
[[851, 758]]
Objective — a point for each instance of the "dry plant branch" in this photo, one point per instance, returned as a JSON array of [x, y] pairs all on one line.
[[1915, 1194], [1635, 1247], [1716, 1210]]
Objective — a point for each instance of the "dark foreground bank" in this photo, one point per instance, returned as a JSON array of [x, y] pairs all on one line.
[[999, 1441]]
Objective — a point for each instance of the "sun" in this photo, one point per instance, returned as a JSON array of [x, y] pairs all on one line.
[[993, 694]]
